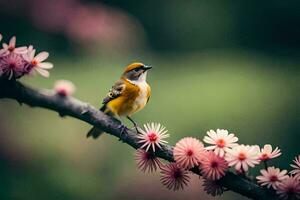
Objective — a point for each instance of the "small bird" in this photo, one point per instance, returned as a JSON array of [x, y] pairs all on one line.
[[127, 96]]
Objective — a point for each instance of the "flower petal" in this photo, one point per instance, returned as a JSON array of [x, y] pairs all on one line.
[[45, 65], [12, 41], [42, 56], [42, 72]]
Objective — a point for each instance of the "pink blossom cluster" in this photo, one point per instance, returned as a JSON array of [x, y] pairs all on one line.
[[221, 154], [16, 62], [88, 25]]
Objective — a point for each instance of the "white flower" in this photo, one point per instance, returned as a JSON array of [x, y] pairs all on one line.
[[271, 177], [152, 136], [37, 61], [296, 166], [221, 141], [266, 153], [242, 157]]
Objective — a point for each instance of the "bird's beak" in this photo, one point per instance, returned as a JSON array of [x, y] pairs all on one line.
[[146, 68]]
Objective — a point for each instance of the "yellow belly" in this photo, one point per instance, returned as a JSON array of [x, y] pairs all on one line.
[[124, 106], [133, 99]]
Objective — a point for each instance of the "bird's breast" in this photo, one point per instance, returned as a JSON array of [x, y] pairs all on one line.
[[142, 98]]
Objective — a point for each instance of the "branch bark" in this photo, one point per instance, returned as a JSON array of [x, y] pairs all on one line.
[[69, 106]]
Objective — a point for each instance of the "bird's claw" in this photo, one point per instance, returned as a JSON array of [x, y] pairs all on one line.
[[136, 128], [123, 129]]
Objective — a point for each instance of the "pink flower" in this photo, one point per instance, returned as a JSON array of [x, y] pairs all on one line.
[[12, 66], [147, 161], [11, 48], [271, 177], [212, 188], [221, 141], [64, 87], [289, 188], [187, 152], [296, 166], [213, 167], [242, 157], [153, 135], [174, 177], [36, 62], [266, 153]]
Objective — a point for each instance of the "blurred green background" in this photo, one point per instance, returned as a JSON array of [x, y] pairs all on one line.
[[216, 64]]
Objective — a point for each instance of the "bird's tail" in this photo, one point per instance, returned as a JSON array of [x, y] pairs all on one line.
[[96, 132]]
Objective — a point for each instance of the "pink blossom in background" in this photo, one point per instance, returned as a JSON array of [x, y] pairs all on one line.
[[89, 25], [103, 25], [174, 177], [147, 161], [62, 12], [271, 177], [268, 153], [92, 23], [296, 165], [187, 152], [220, 141], [213, 167], [64, 88]]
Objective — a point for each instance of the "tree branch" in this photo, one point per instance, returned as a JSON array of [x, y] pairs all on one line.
[[69, 106]]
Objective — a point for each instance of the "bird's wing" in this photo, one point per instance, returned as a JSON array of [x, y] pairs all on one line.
[[114, 92]]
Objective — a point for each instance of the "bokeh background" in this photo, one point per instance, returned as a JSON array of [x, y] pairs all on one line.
[[216, 64]]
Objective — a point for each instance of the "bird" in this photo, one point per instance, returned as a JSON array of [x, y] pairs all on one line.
[[127, 96]]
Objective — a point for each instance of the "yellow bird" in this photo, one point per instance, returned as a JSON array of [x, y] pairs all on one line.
[[127, 96]]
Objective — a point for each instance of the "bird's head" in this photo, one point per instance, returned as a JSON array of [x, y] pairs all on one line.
[[136, 72]]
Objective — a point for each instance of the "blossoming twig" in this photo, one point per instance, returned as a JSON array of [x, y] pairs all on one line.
[[83, 111]]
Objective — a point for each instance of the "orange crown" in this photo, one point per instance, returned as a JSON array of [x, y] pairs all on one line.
[[133, 66]]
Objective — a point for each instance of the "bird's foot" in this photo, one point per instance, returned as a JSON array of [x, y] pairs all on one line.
[[136, 128], [123, 129], [134, 124]]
